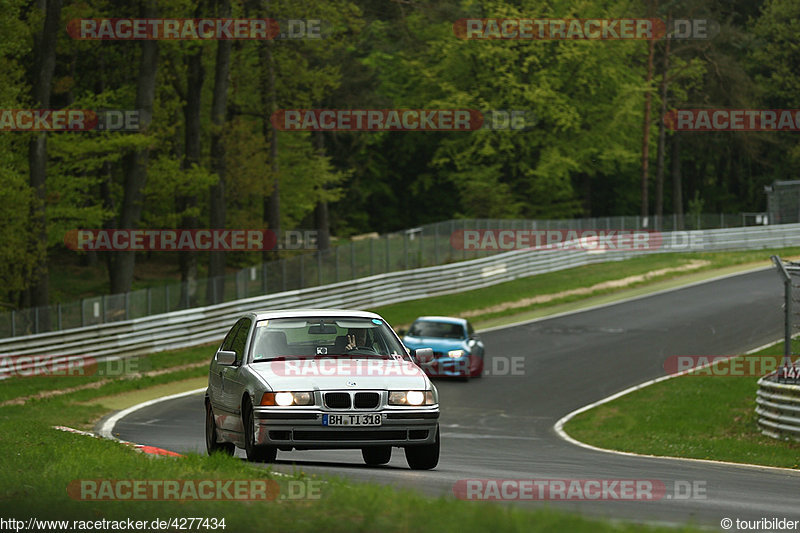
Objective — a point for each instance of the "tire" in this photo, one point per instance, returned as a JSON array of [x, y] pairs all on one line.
[[376, 455], [212, 446], [255, 453], [424, 457]]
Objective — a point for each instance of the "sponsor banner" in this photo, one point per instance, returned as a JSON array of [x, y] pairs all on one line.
[[733, 119]]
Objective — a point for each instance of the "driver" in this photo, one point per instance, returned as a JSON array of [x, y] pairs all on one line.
[[356, 337]]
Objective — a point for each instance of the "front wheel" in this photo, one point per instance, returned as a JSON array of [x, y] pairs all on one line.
[[376, 455], [424, 457], [212, 446], [255, 453]]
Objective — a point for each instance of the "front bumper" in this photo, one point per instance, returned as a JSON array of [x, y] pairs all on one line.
[[301, 428]]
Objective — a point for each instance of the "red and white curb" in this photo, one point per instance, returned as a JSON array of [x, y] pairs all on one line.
[[152, 450]]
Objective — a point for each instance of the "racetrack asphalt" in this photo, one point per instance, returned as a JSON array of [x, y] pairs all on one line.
[[501, 426]]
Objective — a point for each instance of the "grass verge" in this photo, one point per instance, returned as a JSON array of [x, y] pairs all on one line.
[[707, 414]]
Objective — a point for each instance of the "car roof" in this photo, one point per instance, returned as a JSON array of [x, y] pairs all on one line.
[[269, 314], [445, 319]]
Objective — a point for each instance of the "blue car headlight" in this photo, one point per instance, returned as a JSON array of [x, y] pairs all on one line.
[[456, 353]]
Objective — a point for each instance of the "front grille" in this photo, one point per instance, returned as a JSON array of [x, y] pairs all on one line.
[[418, 434], [366, 400], [337, 400], [368, 434], [280, 435]]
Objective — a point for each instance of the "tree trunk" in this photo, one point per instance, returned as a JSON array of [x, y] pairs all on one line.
[[677, 186], [272, 205], [135, 164], [215, 292], [646, 128], [321, 218], [42, 82], [661, 135], [191, 111]]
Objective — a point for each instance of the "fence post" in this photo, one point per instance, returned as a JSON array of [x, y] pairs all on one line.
[[787, 322]]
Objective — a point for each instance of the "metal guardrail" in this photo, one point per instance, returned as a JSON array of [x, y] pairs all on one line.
[[192, 327], [778, 409]]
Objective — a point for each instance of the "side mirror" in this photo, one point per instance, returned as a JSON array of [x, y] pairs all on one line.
[[424, 355], [402, 332], [225, 357]]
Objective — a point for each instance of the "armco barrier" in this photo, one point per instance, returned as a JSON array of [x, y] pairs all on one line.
[[192, 327], [778, 409]]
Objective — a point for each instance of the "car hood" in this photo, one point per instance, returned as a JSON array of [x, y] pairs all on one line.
[[332, 374], [437, 343]]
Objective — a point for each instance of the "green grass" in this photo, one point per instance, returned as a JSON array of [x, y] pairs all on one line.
[[554, 282], [698, 416], [39, 464]]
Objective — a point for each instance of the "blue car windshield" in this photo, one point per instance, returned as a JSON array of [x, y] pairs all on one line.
[[429, 328], [325, 337]]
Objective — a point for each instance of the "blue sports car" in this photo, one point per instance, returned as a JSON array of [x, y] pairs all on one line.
[[457, 350]]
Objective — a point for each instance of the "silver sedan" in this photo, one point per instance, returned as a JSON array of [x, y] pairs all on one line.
[[320, 379]]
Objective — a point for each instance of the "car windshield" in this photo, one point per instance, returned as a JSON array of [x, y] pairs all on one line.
[[301, 338], [429, 328]]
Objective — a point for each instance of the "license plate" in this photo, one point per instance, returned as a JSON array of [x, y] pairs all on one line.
[[351, 420]]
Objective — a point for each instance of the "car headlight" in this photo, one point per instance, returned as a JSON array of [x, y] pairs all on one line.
[[286, 399], [455, 353], [411, 397]]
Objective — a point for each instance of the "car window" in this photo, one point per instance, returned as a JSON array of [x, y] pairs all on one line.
[[226, 344], [324, 337], [240, 339], [429, 328]]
